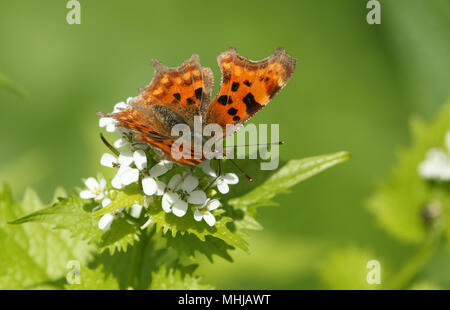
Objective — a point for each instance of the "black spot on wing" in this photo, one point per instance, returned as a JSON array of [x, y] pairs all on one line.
[[190, 101], [198, 93], [177, 96], [223, 99], [251, 105], [235, 86], [232, 111], [236, 118], [246, 82]]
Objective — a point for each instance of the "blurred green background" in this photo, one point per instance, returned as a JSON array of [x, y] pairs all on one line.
[[355, 87]]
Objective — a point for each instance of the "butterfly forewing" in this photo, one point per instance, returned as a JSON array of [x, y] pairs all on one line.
[[247, 86]]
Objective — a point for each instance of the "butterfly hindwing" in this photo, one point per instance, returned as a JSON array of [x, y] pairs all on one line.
[[183, 90], [172, 149]]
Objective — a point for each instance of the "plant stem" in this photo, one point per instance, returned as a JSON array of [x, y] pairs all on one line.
[[137, 254], [419, 260]]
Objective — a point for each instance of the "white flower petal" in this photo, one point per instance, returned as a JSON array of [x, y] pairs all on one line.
[[92, 184], [120, 143], [231, 178], [206, 168], [102, 184], [179, 208], [105, 221], [213, 204], [115, 182], [135, 210], [149, 186], [106, 202], [121, 131], [158, 170], [168, 164], [197, 197], [111, 127], [223, 187], [445, 173], [198, 215], [209, 219], [99, 196], [125, 158], [175, 182], [161, 186], [436, 155], [161, 168], [189, 184], [119, 107], [435, 164], [128, 176], [168, 200], [86, 194], [140, 159], [104, 121]]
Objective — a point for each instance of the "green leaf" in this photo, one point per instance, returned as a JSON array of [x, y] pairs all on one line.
[[34, 256], [173, 279], [293, 172], [125, 198], [119, 236], [94, 279], [75, 215], [189, 244], [169, 222], [133, 268], [399, 203]]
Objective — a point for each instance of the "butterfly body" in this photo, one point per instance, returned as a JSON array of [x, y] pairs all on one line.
[[178, 95]]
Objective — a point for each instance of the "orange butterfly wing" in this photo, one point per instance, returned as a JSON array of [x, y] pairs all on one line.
[[183, 90], [176, 95], [247, 86], [184, 156]]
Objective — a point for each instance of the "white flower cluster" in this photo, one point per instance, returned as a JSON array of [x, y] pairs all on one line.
[[132, 166], [110, 123], [97, 190], [436, 165]]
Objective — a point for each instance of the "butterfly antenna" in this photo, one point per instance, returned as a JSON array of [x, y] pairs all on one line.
[[109, 146], [241, 171], [257, 144]]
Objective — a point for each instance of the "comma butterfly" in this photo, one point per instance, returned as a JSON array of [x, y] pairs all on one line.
[[177, 95]]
